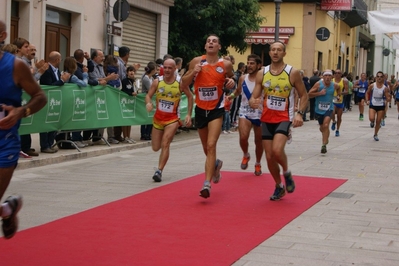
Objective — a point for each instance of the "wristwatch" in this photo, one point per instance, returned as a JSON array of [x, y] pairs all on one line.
[[300, 112]]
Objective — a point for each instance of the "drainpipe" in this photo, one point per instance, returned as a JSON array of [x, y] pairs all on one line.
[[106, 5]]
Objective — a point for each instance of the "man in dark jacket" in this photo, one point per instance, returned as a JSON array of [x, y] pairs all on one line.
[[313, 79]]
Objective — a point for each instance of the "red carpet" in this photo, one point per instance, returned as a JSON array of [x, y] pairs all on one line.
[[169, 225]]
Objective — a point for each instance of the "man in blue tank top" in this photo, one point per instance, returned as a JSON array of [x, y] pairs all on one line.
[[15, 76], [323, 91]]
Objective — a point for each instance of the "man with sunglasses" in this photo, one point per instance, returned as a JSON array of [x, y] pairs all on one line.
[[339, 101], [376, 96]]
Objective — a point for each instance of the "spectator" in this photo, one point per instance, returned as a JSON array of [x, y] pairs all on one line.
[[52, 76], [128, 87], [226, 118], [98, 74], [235, 106], [313, 79], [146, 82], [111, 67]]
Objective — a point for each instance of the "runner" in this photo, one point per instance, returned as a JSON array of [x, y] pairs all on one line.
[[324, 91], [211, 74], [376, 96], [166, 120], [339, 103], [249, 118], [278, 82]]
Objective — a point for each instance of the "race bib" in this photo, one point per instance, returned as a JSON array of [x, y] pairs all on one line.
[[324, 106], [165, 106], [378, 101], [362, 90], [248, 109], [276, 103], [208, 94]]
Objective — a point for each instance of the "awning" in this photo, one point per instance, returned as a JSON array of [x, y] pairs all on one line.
[[265, 39]]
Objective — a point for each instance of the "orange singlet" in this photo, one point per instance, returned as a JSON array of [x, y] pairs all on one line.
[[209, 84]]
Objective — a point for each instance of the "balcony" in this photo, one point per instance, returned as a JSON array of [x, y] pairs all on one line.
[[357, 16]]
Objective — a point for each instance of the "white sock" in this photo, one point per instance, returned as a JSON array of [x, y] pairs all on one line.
[[6, 210], [281, 185]]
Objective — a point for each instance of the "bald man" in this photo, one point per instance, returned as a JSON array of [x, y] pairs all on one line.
[[52, 76], [16, 76], [168, 91]]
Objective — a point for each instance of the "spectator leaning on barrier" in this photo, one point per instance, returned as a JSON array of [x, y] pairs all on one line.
[[52, 76], [98, 74]]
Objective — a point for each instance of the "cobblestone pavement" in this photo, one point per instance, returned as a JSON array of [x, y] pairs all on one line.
[[358, 224]]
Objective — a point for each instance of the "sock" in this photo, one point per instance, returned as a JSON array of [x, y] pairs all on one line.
[[207, 183], [287, 172], [246, 155], [6, 210], [257, 163], [281, 185]]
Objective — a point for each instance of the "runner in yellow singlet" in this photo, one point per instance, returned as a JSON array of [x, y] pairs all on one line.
[[338, 103], [277, 83], [166, 121]]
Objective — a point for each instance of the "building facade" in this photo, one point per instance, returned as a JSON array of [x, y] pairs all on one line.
[[321, 35], [66, 25]]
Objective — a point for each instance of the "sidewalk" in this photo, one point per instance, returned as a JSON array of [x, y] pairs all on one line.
[[96, 150]]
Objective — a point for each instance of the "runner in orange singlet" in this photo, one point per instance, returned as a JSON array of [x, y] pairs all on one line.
[[210, 74], [166, 121]]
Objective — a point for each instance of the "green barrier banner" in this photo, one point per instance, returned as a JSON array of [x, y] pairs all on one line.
[[71, 107]]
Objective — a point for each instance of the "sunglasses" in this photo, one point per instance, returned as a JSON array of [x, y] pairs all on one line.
[[379, 76]]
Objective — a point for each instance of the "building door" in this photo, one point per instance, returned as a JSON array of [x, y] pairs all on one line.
[[14, 21], [58, 33], [58, 38], [263, 51]]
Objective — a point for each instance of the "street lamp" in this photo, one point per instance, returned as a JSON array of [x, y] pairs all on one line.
[[277, 23]]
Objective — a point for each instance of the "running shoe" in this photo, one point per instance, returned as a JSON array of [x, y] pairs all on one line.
[[337, 133], [289, 182], [205, 191], [278, 193], [383, 122], [217, 176], [361, 117], [333, 126], [157, 176], [258, 170], [323, 149], [10, 223], [371, 124], [244, 162], [376, 138]]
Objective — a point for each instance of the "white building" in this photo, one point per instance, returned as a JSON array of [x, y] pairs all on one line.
[[66, 25]]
